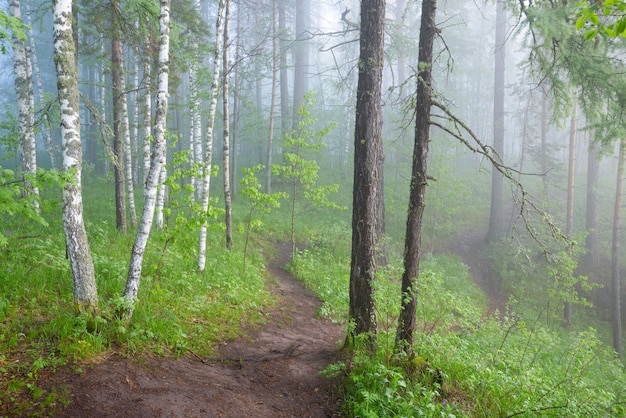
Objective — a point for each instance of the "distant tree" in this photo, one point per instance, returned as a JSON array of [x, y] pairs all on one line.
[[569, 217], [157, 162], [592, 224], [496, 214], [83, 276], [367, 154], [616, 308], [25, 101], [419, 177], [301, 52]]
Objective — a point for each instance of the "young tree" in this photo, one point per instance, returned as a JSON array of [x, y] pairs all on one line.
[[157, 162], [569, 217], [25, 101], [83, 276], [591, 217], [419, 177], [367, 150], [270, 136]]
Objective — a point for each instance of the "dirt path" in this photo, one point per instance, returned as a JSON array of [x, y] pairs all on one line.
[[276, 376], [470, 245]]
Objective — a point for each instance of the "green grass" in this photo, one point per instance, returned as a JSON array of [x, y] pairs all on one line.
[[178, 308], [509, 364]]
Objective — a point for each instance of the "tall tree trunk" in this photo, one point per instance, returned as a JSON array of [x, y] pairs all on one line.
[[136, 111], [128, 157], [616, 308], [301, 58], [25, 104], [495, 231], [234, 137], [83, 277], [285, 126], [147, 117], [118, 140], [367, 150], [413, 238], [569, 217], [593, 175], [226, 106], [158, 160], [195, 133], [270, 137], [206, 169], [109, 152], [47, 130]]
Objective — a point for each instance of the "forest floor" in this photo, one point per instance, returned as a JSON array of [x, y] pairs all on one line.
[[273, 371]]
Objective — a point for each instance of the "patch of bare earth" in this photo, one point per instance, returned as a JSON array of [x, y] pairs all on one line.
[[271, 372]]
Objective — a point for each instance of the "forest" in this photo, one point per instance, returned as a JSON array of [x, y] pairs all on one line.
[[293, 208]]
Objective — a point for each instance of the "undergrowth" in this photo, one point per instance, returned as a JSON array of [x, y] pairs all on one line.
[[179, 309], [465, 363]]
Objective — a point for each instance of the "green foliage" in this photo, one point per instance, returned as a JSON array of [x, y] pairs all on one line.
[[258, 201], [605, 18], [300, 168], [12, 24]]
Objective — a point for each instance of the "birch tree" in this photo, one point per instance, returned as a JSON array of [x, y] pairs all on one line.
[[157, 162], [47, 130], [83, 276], [25, 102], [206, 168], [226, 115]]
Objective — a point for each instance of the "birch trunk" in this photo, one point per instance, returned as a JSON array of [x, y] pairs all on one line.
[[236, 104], [226, 103], [83, 277], [147, 117], [128, 156], [158, 160], [47, 130], [206, 168], [136, 110], [25, 104]]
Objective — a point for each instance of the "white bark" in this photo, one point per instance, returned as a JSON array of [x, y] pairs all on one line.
[[196, 117], [226, 114], [158, 161], [25, 103], [135, 131], [147, 118], [206, 169], [103, 108], [47, 131], [160, 200], [83, 277], [128, 156]]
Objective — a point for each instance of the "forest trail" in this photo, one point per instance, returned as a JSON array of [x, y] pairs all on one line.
[[470, 245], [270, 372]]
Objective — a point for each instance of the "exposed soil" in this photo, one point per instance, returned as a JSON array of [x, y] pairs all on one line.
[[271, 372]]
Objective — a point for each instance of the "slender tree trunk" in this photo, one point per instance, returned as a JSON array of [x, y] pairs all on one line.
[[136, 111], [301, 58], [118, 141], [367, 154], [285, 126], [206, 169], [47, 130], [109, 153], [25, 104], [83, 277], [236, 104], [196, 117], [569, 217], [591, 218], [128, 157], [413, 238], [616, 308], [147, 117], [158, 160], [495, 231], [226, 107], [270, 139], [543, 158]]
